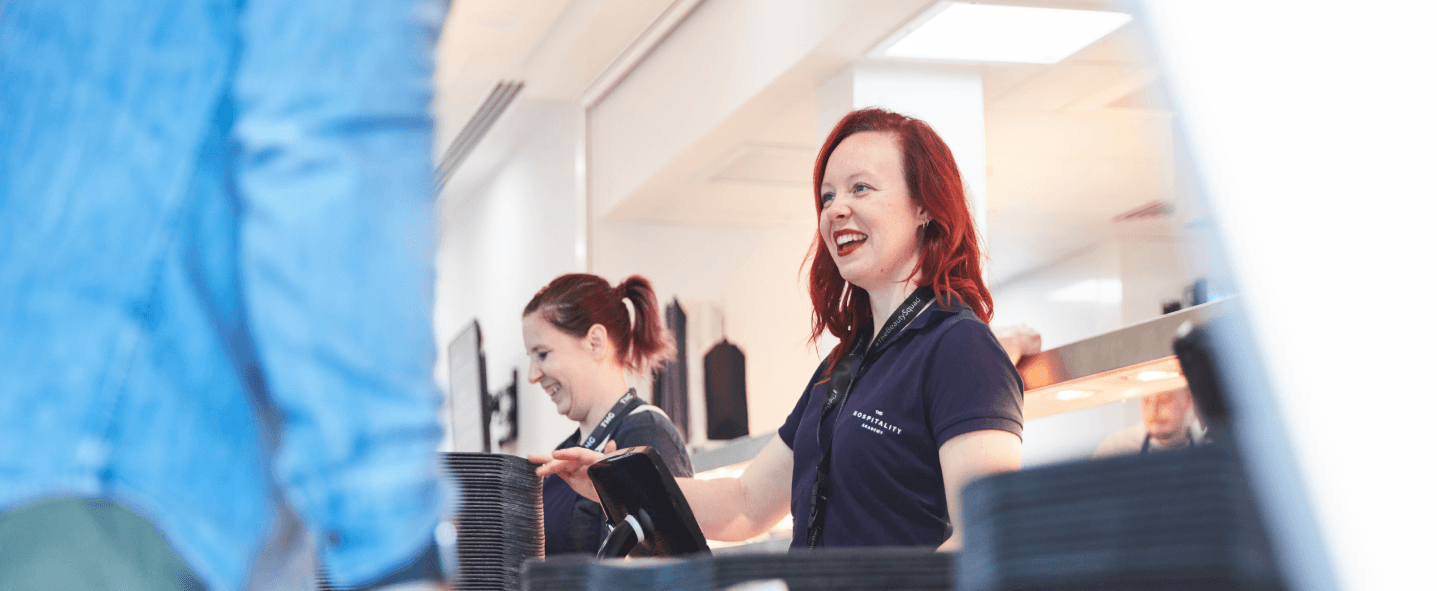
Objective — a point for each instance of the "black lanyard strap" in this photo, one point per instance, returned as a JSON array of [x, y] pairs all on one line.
[[840, 384], [606, 427]]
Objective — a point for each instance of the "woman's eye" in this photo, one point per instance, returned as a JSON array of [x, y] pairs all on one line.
[[861, 187], [825, 199], [541, 355]]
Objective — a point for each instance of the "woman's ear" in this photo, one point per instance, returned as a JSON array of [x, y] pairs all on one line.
[[597, 341]]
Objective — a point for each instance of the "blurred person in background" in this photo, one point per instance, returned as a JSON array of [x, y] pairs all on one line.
[[917, 399], [1169, 422], [581, 342], [217, 228], [1019, 341]]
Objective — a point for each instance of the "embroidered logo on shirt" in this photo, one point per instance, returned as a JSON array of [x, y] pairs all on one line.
[[876, 424]]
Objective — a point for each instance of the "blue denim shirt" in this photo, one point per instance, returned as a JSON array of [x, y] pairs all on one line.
[[216, 271]]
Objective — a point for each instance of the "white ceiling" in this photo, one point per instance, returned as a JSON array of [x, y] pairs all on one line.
[[1069, 145], [558, 48]]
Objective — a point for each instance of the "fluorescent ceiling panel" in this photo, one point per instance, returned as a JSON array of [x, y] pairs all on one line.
[[989, 33]]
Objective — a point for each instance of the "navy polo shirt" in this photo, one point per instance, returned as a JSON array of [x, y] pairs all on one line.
[[943, 376]]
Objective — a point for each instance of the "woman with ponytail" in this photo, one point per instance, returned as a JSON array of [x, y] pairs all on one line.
[[582, 340], [917, 399]]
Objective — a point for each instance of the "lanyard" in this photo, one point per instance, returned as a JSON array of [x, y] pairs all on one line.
[[840, 383], [605, 429]]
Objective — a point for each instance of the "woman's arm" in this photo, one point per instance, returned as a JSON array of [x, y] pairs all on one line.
[[728, 509], [736, 509], [968, 457]]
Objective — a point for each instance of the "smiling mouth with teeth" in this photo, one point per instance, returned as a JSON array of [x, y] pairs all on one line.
[[849, 241]]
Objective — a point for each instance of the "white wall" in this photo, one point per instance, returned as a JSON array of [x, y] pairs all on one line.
[[1111, 284], [502, 237], [1153, 270], [754, 274], [1068, 300]]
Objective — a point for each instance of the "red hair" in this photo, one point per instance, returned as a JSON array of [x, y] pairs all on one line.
[[950, 260], [575, 302]]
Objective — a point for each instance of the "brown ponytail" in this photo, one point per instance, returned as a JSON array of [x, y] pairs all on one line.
[[651, 342], [573, 303]]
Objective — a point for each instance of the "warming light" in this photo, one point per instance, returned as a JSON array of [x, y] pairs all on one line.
[[1074, 394], [989, 33], [1149, 376]]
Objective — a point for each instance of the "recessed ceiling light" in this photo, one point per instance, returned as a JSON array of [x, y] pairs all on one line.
[[1074, 394], [988, 33], [1149, 376]]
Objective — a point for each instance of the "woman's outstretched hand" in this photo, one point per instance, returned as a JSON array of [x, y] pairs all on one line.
[[572, 464]]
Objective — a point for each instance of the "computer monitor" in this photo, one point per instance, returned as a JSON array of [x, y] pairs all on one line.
[[469, 391]]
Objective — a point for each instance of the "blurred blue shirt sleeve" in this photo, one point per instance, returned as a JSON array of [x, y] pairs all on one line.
[[333, 173]]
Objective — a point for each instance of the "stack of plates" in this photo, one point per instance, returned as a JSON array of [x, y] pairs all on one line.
[[568, 572], [500, 520], [1176, 520], [841, 568], [652, 574]]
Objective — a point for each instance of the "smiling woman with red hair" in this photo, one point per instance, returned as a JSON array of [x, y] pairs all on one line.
[[948, 255], [917, 399]]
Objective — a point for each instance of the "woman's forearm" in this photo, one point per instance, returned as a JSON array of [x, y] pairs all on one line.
[[727, 509], [736, 509], [723, 509]]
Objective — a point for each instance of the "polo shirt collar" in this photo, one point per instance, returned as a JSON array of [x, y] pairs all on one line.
[[934, 315]]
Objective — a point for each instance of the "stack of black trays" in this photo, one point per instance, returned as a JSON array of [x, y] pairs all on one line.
[[569, 572], [577, 572], [913, 569], [582, 573], [907, 569], [1176, 520], [500, 519], [652, 574]]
